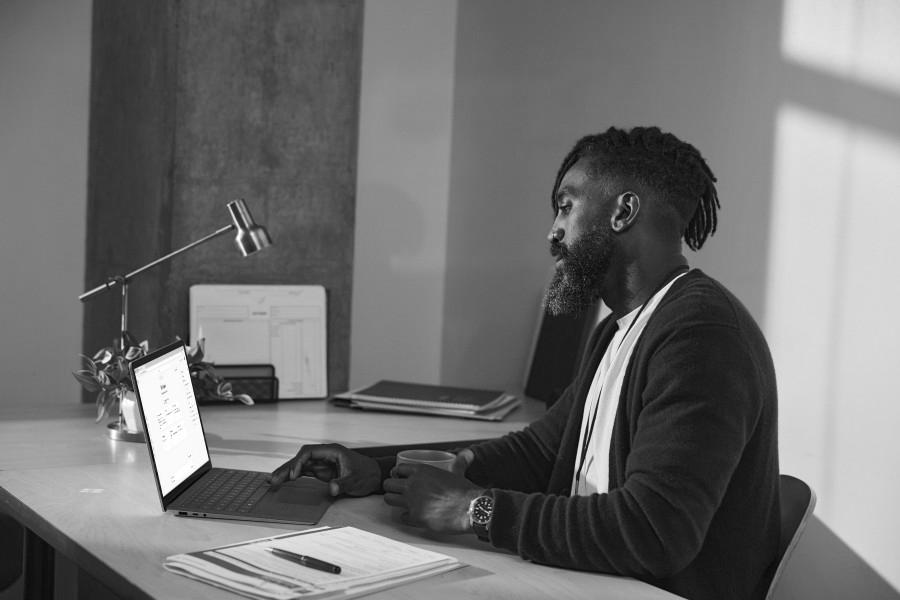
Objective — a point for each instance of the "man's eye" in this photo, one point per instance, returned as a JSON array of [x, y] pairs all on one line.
[[565, 208]]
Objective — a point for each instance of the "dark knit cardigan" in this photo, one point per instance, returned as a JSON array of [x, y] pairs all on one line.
[[692, 505]]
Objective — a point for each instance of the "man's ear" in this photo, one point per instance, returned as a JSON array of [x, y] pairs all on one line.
[[628, 205]]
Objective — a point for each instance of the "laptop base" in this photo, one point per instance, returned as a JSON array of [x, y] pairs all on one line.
[[302, 501]]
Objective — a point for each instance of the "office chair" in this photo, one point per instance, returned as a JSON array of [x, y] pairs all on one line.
[[797, 503]]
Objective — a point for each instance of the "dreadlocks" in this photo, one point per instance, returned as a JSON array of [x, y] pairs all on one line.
[[660, 161]]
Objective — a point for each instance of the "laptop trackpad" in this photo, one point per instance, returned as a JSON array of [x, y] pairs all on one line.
[[305, 498], [304, 490]]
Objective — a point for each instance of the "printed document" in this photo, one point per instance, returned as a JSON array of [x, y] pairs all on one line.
[[281, 325], [368, 562]]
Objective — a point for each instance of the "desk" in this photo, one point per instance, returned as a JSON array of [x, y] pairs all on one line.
[[94, 501]]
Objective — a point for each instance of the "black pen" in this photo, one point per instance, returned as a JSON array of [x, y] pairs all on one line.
[[306, 561]]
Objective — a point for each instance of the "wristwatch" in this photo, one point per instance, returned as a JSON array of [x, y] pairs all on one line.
[[481, 509]]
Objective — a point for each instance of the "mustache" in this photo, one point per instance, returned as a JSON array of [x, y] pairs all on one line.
[[559, 250]]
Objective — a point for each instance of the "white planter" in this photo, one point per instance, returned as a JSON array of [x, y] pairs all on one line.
[[131, 414]]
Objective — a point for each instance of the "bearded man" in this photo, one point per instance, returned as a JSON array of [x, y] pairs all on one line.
[[660, 460]]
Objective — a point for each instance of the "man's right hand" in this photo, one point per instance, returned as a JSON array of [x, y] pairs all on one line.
[[346, 471], [464, 458]]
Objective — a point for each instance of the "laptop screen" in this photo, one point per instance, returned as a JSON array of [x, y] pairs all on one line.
[[171, 418]]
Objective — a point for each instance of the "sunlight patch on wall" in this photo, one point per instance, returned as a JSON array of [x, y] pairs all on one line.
[[808, 180], [832, 322], [851, 39], [865, 379]]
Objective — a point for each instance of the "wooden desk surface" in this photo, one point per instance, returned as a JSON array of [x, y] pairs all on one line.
[[94, 500], [40, 436], [279, 430]]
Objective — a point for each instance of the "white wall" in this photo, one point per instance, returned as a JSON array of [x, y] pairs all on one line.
[[44, 82], [402, 190], [530, 82]]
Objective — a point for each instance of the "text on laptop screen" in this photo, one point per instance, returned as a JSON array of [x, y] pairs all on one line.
[[171, 418]]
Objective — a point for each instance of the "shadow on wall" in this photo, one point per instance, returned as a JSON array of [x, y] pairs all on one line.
[[398, 281], [825, 568]]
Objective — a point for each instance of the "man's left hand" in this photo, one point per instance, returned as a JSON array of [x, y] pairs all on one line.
[[432, 498]]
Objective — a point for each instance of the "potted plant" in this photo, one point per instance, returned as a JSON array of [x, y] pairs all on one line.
[[107, 374]]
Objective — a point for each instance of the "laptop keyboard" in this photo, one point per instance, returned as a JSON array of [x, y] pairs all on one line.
[[227, 490]]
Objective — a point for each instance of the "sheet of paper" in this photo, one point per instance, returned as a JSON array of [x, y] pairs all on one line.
[[281, 325]]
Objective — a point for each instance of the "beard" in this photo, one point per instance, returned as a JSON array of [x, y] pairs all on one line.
[[578, 279]]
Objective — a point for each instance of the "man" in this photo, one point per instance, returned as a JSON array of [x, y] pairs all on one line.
[[660, 460]]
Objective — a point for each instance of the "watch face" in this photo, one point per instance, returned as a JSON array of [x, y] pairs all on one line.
[[482, 510]]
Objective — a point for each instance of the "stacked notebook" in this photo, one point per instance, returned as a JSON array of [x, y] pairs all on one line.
[[439, 400], [367, 563]]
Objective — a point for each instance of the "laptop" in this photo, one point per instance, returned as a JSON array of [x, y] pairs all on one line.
[[188, 484]]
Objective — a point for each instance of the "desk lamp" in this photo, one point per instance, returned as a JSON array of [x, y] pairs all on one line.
[[251, 238]]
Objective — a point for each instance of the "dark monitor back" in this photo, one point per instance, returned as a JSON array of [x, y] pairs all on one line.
[[557, 352]]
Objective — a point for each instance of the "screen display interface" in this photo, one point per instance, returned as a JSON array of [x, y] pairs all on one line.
[[171, 418]]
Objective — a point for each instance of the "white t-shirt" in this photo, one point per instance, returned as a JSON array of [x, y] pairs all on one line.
[[603, 400]]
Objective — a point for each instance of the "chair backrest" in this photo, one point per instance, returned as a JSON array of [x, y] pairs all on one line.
[[797, 503]]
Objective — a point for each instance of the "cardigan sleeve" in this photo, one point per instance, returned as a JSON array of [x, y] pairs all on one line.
[[523, 460], [520, 460], [698, 402]]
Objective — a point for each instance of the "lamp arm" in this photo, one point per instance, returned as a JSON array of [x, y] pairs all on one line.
[[124, 279]]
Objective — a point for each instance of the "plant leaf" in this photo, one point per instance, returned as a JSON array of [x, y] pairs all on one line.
[[118, 371], [195, 353], [128, 339], [87, 380], [103, 356], [101, 405], [88, 363]]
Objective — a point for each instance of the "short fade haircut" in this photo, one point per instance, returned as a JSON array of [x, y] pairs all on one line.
[[659, 161]]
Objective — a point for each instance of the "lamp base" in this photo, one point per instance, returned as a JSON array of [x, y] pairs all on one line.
[[117, 432]]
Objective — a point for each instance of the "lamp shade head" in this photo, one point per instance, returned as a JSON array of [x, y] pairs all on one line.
[[251, 237]]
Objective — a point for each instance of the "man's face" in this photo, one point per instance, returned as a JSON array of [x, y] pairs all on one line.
[[581, 241]]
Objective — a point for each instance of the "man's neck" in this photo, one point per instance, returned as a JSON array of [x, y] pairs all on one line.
[[637, 282]]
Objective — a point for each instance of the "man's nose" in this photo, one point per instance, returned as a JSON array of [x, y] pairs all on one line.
[[556, 234]]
